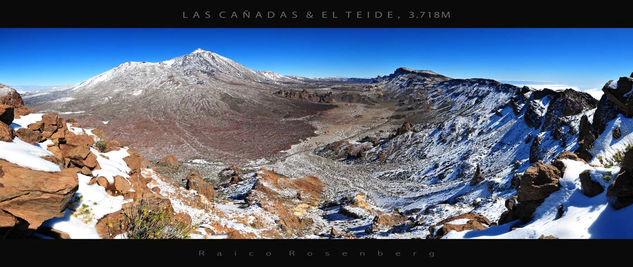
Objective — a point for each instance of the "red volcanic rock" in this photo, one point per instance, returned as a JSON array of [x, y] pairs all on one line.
[[35, 196], [135, 161], [194, 181], [170, 161], [474, 222], [9, 96], [29, 136], [6, 133]]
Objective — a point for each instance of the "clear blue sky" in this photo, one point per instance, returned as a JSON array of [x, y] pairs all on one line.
[[586, 58]]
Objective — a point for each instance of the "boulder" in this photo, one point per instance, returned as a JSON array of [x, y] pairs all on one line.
[[35, 196], [6, 133], [11, 97], [103, 182], [194, 181], [6, 114], [589, 187], [135, 161], [406, 127], [354, 212], [121, 185], [390, 220], [78, 152], [473, 221], [570, 156], [170, 161], [29, 136], [78, 139], [620, 192], [538, 182]]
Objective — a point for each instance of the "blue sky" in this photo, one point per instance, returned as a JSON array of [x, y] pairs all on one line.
[[584, 58]]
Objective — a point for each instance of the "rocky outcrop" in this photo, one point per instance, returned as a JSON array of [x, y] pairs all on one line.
[[6, 114], [406, 127], [170, 162], [69, 150], [537, 183], [345, 150], [469, 221], [305, 95], [6, 133], [620, 191], [477, 177], [136, 161], [10, 97], [34, 196], [617, 98], [588, 186], [585, 139], [387, 221], [566, 103], [194, 181], [535, 149], [534, 114], [289, 199]]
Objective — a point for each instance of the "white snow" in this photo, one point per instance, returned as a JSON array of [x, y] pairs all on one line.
[[458, 221], [583, 217], [25, 120], [27, 155], [71, 112], [93, 203], [112, 164], [63, 99], [606, 146]]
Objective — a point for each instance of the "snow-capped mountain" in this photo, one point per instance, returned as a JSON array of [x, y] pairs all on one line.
[[210, 94]]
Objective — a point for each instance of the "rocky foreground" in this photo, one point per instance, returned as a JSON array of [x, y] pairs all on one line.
[[468, 159]]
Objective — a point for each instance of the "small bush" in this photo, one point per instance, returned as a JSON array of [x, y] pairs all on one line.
[[101, 145], [145, 223], [607, 177], [618, 157]]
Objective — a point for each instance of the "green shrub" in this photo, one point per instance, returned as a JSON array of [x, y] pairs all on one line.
[[618, 157], [101, 145], [607, 177], [142, 222]]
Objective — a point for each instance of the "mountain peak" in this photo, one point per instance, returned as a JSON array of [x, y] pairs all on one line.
[[200, 50], [404, 70]]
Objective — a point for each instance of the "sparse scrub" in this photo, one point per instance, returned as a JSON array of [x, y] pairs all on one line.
[[145, 223], [607, 177], [101, 145]]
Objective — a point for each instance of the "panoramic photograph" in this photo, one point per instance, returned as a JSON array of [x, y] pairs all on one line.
[[316, 133]]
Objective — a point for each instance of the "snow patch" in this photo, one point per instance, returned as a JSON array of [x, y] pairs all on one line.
[[27, 155], [92, 203]]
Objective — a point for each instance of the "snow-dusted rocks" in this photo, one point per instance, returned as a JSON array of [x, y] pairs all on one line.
[[464, 222], [34, 196]]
